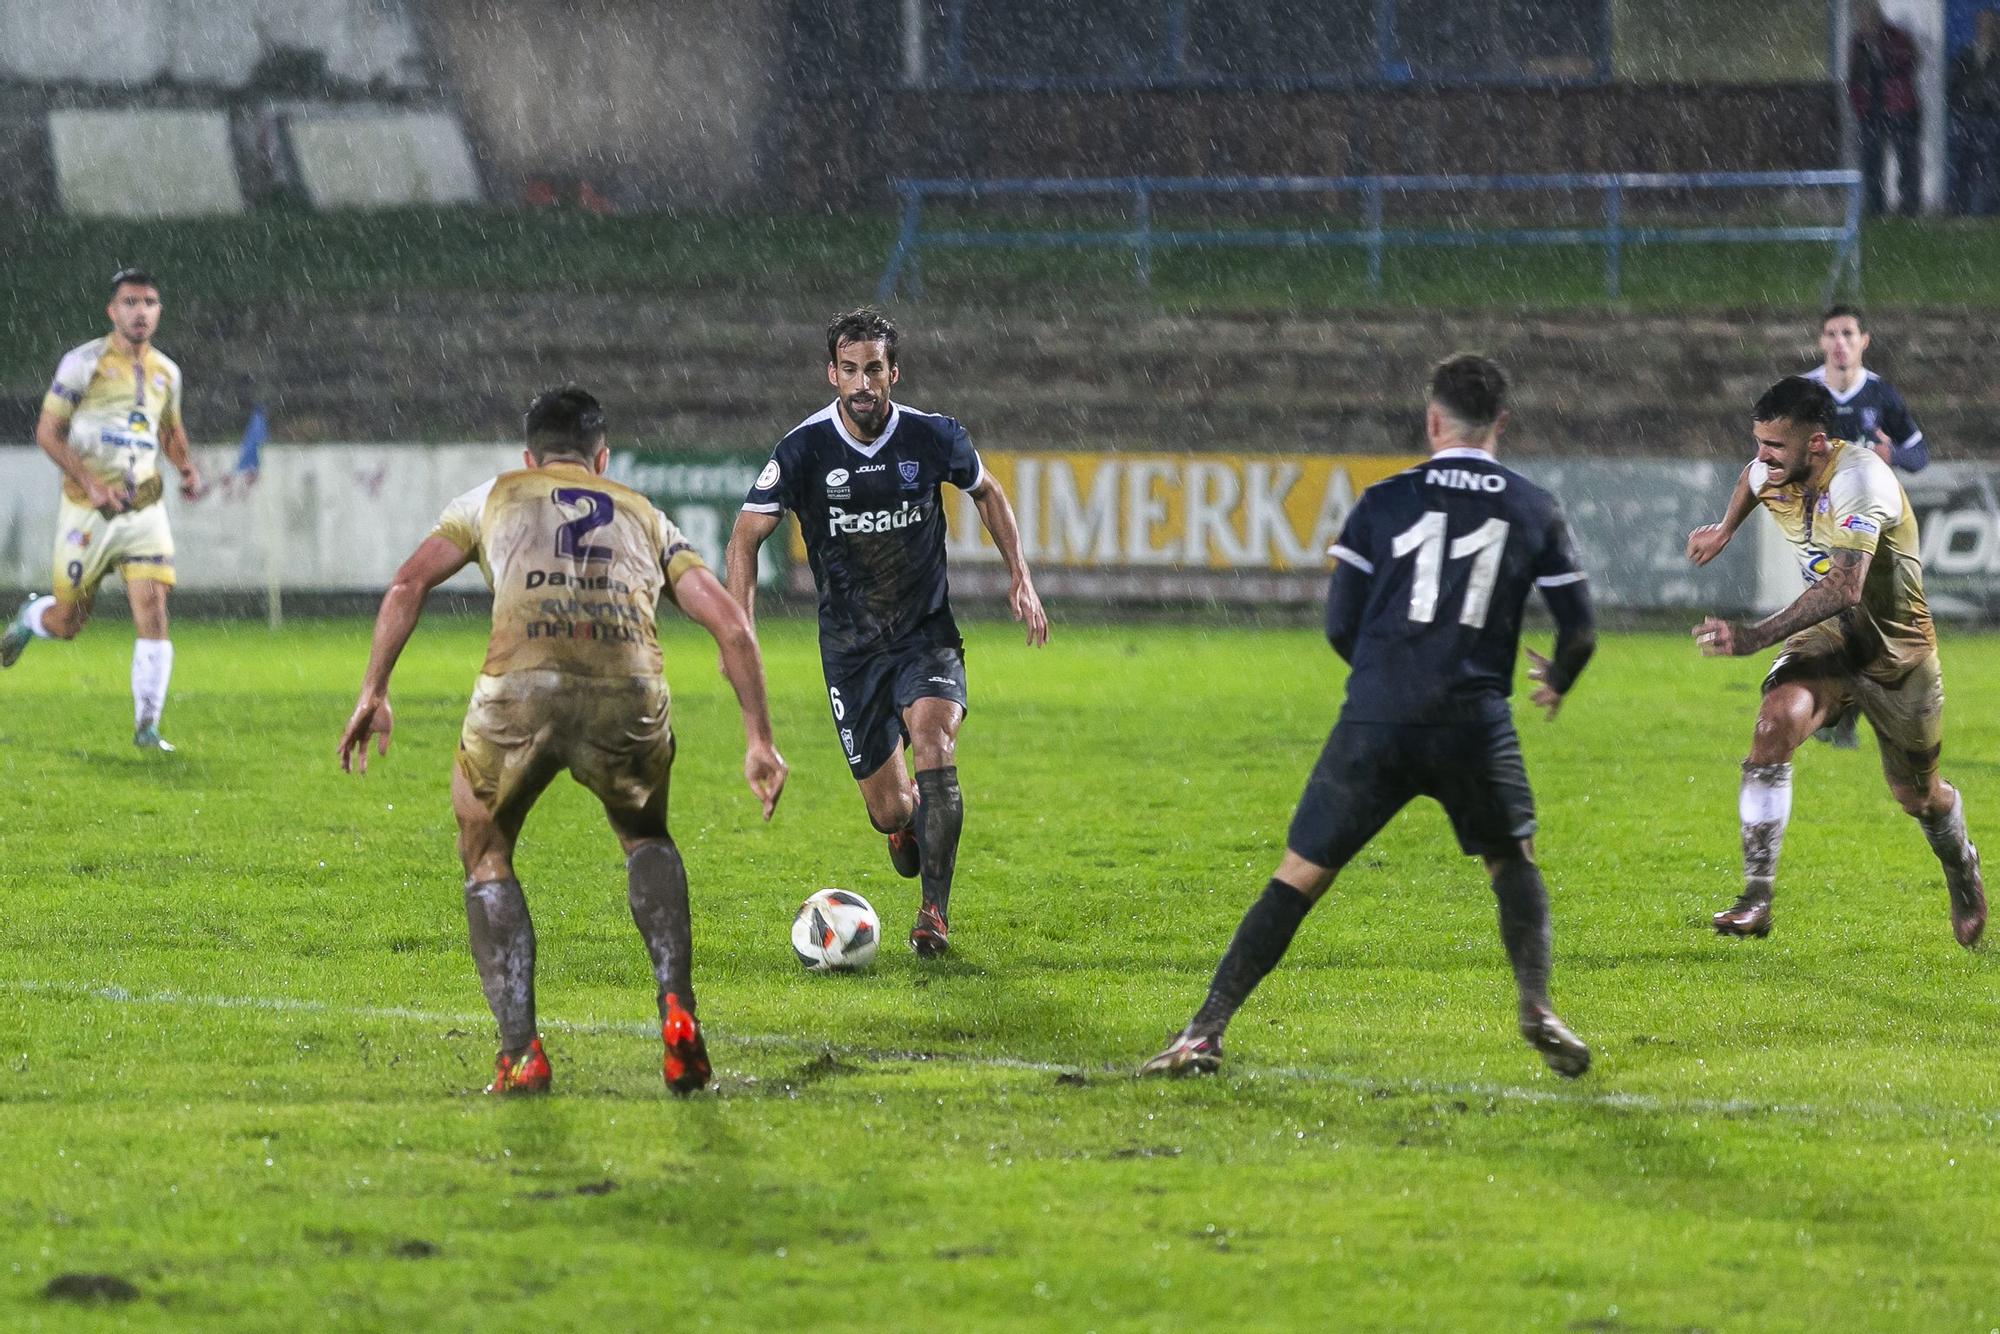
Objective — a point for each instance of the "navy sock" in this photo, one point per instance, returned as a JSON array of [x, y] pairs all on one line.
[[1261, 940], [940, 817]]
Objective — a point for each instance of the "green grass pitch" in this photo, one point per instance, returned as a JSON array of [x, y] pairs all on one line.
[[241, 1039]]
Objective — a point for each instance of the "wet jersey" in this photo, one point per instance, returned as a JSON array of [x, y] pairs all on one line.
[[1451, 549], [872, 516], [576, 563], [1872, 404], [1855, 503], [116, 406]]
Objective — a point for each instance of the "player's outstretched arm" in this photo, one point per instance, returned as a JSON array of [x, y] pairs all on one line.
[[1576, 641], [998, 516], [1837, 591], [434, 561], [1706, 542], [712, 607], [740, 560]]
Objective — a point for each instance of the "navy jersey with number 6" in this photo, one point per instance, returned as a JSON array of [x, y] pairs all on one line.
[[1450, 549], [873, 521]]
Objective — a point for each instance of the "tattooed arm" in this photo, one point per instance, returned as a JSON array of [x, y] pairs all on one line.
[[1833, 594]]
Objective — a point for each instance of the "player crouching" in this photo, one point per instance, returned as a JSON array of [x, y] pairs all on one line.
[[570, 682]]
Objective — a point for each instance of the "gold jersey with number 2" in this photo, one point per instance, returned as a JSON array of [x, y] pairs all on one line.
[[576, 563], [1853, 502]]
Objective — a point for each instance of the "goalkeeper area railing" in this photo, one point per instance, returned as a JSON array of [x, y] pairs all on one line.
[[1610, 231]]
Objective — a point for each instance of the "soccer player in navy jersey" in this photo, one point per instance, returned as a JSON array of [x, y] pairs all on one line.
[[1432, 569], [864, 476], [1866, 408]]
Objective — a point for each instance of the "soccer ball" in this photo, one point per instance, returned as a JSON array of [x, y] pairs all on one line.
[[835, 930]]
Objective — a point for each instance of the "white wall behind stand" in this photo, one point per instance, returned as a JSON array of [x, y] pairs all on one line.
[[144, 164], [380, 158], [215, 42]]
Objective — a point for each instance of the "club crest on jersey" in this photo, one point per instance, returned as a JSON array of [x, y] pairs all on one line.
[[769, 477], [1818, 565], [908, 469], [137, 421], [76, 537], [1869, 416], [1825, 505]]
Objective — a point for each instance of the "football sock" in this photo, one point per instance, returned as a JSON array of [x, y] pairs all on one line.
[[32, 617], [1947, 834], [656, 885], [152, 667], [1764, 805], [940, 817], [1524, 927], [503, 948], [1261, 940]]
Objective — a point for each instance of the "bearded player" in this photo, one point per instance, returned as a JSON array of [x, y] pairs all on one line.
[[1859, 637], [864, 477], [113, 408], [577, 564]]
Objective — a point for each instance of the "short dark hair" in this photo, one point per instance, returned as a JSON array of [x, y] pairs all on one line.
[[1796, 399], [863, 325], [1471, 388], [1849, 312], [132, 277], [564, 420]]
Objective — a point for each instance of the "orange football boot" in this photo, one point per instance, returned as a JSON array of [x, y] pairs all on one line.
[[526, 1073], [686, 1065]]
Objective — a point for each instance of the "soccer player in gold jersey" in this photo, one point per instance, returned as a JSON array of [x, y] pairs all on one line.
[[577, 564], [1860, 636], [113, 408]]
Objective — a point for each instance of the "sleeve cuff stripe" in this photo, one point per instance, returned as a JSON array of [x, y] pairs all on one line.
[[1558, 580], [762, 509], [1352, 557], [1916, 438]]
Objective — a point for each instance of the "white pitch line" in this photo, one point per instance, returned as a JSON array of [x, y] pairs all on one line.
[[1583, 1096]]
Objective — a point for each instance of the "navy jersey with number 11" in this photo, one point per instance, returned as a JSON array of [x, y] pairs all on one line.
[[1450, 549]]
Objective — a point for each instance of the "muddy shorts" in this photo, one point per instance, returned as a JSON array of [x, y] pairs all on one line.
[[522, 729], [1906, 712]]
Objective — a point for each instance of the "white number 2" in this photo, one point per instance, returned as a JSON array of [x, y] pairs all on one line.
[[1426, 538]]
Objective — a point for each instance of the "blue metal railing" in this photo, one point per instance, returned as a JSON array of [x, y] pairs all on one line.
[[1612, 234]]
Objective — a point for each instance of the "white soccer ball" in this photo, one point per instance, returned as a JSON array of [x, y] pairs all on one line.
[[836, 930]]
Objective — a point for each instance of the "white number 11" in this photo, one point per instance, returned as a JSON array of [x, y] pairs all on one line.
[[1426, 538]]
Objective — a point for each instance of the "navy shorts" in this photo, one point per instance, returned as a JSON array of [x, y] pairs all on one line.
[[869, 691], [1369, 771]]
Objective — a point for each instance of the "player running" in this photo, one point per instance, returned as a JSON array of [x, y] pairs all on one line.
[[113, 408], [572, 681], [863, 476], [1433, 567], [1868, 410], [1859, 636]]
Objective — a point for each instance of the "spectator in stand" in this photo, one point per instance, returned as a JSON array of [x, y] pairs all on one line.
[[1882, 88], [1973, 98]]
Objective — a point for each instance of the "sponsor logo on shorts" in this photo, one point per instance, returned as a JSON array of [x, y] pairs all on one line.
[[1855, 523], [847, 739], [769, 477], [940, 680]]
